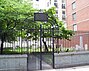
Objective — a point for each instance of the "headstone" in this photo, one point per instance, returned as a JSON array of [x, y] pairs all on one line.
[[86, 47]]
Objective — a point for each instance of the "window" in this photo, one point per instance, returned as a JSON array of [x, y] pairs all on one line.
[[56, 15], [63, 6], [63, 15], [63, 1], [55, 0], [37, 0], [47, 4], [75, 27], [74, 16], [63, 12], [56, 5], [73, 5], [56, 11], [50, 1]]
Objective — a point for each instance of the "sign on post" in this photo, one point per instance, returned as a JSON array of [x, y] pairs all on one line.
[[40, 17], [43, 17]]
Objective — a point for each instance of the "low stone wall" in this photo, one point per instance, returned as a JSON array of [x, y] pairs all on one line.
[[13, 62], [71, 59], [19, 62]]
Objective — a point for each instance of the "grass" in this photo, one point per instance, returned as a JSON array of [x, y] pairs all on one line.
[[18, 50], [24, 50]]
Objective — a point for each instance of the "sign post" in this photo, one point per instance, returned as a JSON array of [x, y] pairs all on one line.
[[43, 17]]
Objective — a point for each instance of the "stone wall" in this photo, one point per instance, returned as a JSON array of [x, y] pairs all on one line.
[[13, 62], [19, 62], [71, 59]]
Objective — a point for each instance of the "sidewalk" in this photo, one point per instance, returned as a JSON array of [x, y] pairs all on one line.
[[78, 68]]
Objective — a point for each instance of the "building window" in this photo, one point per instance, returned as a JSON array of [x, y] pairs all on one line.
[[55, 0], [73, 5], [56, 15], [47, 4], [74, 16], [50, 1], [63, 12], [37, 0], [74, 27], [63, 6], [56, 5], [56, 11], [63, 1], [63, 15]]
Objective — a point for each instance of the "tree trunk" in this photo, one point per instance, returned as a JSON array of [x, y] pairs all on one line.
[[46, 48], [2, 41]]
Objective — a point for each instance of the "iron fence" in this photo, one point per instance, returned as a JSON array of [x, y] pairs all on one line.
[[26, 41], [31, 42]]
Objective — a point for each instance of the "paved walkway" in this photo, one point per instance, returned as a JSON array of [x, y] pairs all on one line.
[[79, 68]]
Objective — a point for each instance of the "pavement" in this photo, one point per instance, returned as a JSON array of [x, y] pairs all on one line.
[[78, 68]]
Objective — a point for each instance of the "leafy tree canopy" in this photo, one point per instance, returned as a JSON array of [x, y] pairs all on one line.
[[15, 15], [59, 30]]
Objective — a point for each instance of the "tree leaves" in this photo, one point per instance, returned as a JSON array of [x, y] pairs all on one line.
[[59, 30], [13, 15]]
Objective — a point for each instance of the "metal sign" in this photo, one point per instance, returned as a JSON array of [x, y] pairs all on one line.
[[40, 17]]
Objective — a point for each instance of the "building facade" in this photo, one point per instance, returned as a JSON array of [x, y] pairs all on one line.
[[77, 15], [59, 4], [78, 21]]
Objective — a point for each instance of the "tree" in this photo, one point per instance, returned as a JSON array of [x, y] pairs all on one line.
[[60, 32], [58, 25], [13, 17]]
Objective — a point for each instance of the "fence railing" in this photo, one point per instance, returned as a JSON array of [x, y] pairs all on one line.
[[78, 42]]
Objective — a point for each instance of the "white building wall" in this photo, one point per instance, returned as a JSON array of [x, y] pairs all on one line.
[[60, 10], [46, 4], [41, 4]]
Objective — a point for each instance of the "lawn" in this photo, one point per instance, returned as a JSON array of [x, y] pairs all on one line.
[[24, 50]]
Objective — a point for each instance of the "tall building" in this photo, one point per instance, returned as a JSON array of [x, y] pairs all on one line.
[[77, 15], [59, 4], [78, 20], [41, 4]]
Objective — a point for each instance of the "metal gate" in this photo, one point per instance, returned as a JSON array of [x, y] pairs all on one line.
[[41, 50]]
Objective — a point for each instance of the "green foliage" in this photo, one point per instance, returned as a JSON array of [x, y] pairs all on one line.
[[15, 15], [59, 30]]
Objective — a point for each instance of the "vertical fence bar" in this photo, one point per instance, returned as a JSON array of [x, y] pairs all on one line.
[[40, 47], [53, 48], [27, 53]]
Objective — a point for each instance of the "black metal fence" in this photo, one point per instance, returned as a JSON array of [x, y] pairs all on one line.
[[24, 42], [30, 42]]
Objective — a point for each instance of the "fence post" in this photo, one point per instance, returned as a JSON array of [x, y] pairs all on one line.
[[40, 46], [53, 47], [27, 54]]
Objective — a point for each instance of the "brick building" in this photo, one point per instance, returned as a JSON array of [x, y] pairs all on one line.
[[77, 12], [77, 19]]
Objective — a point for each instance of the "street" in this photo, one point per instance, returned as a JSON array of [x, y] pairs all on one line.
[[78, 68]]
